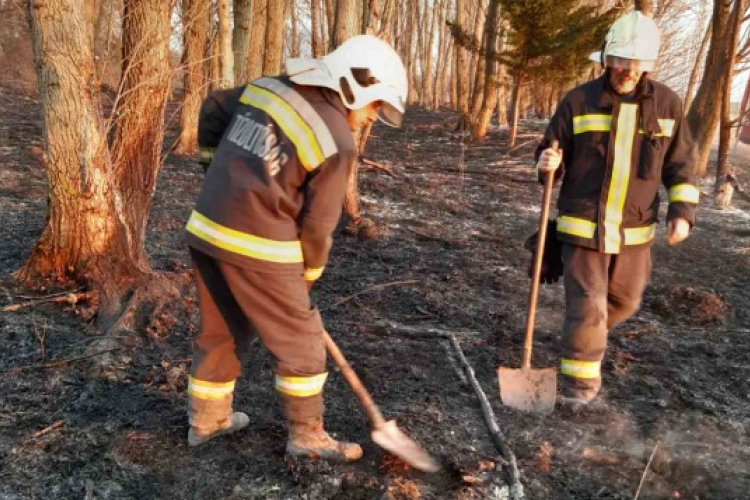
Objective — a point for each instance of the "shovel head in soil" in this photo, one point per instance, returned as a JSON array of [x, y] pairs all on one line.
[[528, 390], [392, 439]]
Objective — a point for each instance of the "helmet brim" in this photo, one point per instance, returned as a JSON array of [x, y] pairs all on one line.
[[390, 115], [634, 64]]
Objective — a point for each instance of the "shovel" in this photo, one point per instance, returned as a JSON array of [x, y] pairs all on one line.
[[527, 389], [387, 435]]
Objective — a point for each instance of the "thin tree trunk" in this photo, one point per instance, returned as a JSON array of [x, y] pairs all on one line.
[[723, 189], [699, 58], [257, 40], [704, 115], [243, 19], [515, 113], [462, 69], [490, 74], [196, 21], [443, 57], [226, 56], [428, 77], [477, 97], [139, 129], [347, 22], [316, 29], [294, 41]]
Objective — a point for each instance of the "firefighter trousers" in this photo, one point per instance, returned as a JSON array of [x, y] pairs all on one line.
[[601, 291], [236, 304]]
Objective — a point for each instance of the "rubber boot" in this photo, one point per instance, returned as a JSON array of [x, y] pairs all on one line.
[[307, 437], [210, 418]]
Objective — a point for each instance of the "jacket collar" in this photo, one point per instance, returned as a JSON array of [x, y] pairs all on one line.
[[644, 97]]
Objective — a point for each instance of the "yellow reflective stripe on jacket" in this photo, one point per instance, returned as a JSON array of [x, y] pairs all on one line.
[[580, 369], [666, 125], [575, 226], [306, 111], [284, 252], [627, 124], [639, 235], [311, 274], [202, 389], [301, 386], [205, 155], [592, 123], [684, 192]]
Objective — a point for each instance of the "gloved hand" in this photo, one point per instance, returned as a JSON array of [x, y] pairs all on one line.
[[552, 264], [549, 160]]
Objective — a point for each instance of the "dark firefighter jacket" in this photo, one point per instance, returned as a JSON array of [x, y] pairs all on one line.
[[280, 155], [615, 155]]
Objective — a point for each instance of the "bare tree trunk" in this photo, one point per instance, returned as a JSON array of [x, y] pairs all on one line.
[[699, 58], [316, 29], [428, 77], [330, 22], [490, 73], [723, 189], [502, 105], [477, 96], [294, 41], [516, 111], [347, 22], [195, 21], [226, 56], [477, 62], [81, 221], [441, 65], [462, 69], [212, 66], [257, 39], [243, 19], [705, 111]]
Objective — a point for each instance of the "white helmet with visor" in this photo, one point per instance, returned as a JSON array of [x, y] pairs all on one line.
[[631, 43]]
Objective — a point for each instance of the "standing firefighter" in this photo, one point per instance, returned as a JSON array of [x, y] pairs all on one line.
[[619, 137], [279, 151]]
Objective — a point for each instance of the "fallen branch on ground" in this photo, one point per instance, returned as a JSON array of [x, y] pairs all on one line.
[[57, 425], [645, 471], [374, 287], [516, 488], [55, 364], [378, 166], [70, 298], [423, 331]]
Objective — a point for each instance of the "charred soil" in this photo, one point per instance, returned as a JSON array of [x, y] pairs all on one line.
[[447, 253]]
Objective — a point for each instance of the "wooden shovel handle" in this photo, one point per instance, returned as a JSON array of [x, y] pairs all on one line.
[[372, 410], [537, 271]]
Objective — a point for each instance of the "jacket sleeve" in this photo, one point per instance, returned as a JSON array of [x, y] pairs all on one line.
[[560, 129], [324, 197], [677, 173], [215, 114]]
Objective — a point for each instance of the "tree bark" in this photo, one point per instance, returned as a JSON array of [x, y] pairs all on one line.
[[477, 89], [81, 221], [293, 38], [316, 29], [699, 58], [257, 39], [462, 69], [196, 22], [705, 111], [489, 102], [723, 188], [516, 111], [226, 56], [243, 19], [347, 21], [645, 6], [274, 49]]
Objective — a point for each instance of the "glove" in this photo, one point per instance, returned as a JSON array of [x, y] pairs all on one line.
[[552, 264], [550, 160]]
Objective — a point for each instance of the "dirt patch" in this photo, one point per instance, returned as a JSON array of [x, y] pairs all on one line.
[[686, 304]]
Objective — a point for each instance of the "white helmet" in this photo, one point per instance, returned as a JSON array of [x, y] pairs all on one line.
[[632, 42], [363, 69]]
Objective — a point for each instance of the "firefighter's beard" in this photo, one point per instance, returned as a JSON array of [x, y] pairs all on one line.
[[624, 81]]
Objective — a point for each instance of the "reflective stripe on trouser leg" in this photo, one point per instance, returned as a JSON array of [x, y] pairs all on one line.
[[584, 336], [209, 403]]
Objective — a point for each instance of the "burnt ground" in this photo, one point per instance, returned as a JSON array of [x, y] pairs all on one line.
[[448, 254]]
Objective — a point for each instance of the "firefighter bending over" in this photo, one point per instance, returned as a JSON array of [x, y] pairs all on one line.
[[278, 153]]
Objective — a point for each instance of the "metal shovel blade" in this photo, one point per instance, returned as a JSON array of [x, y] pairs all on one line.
[[528, 390], [389, 437]]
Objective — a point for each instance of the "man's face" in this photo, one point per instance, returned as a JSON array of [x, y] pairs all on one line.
[[362, 117], [624, 80]]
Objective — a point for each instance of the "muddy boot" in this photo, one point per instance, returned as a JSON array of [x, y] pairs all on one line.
[[578, 393], [210, 418], [307, 438]]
